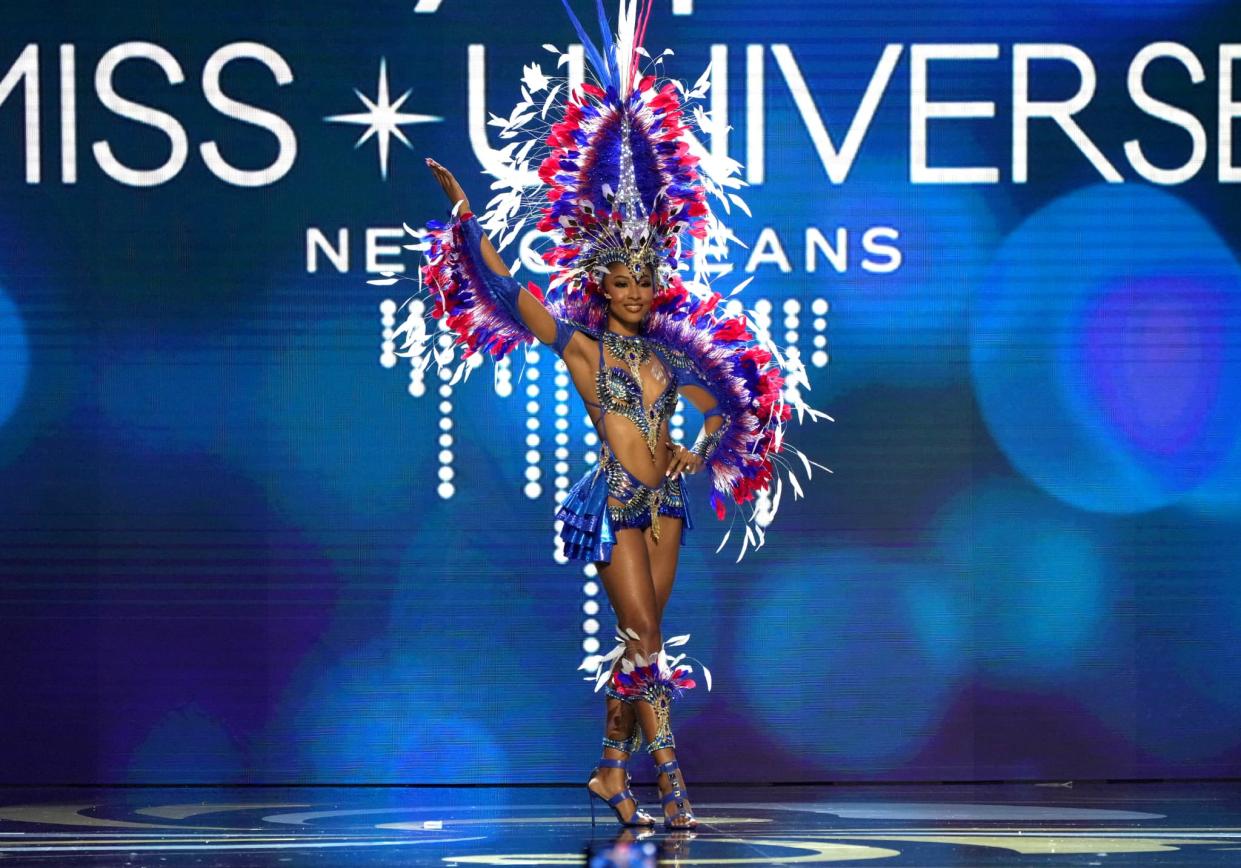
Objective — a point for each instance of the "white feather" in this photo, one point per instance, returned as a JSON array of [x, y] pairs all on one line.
[[797, 492], [744, 545], [548, 102], [703, 84], [804, 460], [742, 285]]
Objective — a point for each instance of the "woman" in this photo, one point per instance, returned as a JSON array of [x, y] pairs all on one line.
[[622, 198], [645, 502]]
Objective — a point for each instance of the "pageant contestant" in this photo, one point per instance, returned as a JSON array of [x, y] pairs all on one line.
[[623, 198]]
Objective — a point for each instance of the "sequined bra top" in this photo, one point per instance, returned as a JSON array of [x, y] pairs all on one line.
[[621, 393]]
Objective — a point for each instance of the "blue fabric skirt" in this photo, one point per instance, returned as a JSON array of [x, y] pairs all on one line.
[[586, 531]]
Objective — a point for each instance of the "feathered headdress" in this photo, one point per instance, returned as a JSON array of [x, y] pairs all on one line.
[[619, 175]]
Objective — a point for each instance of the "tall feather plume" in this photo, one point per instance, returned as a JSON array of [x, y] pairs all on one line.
[[640, 35], [628, 41], [609, 41], [592, 53]]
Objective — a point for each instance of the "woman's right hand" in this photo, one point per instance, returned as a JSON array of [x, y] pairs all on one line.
[[452, 189], [528, 307]]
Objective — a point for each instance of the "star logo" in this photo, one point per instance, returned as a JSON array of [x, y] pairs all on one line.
[[382, 118]]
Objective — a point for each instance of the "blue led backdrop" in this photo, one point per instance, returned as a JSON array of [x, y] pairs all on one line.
[[244, 541]]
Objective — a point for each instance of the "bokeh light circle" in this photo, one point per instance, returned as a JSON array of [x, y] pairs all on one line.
[[830, 646], [1099, 349]]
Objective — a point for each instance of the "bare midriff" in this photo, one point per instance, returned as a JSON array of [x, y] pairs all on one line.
[[618, 433]]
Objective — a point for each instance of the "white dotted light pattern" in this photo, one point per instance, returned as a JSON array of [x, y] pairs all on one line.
[[819, 308], [562, 480], [445, 489], [534, 473], [590, 607]]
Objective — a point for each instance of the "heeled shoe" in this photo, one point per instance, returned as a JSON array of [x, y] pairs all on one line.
[[675, 794], [639, 817]]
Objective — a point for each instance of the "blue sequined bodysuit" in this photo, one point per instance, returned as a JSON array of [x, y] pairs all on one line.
[[622, 395], [589, 522]]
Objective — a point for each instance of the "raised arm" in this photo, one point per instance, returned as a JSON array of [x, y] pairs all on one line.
[[520, 302]]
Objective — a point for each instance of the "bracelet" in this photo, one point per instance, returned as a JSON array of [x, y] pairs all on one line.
[[706, 442]]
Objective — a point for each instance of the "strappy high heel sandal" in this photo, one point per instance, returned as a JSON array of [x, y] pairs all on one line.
[[639, 817], [676, 794]]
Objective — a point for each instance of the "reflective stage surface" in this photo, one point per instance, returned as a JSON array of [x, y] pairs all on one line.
[[1108, 824]]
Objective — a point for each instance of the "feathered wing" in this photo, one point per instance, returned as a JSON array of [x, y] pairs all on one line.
[[479, 305], [746, 373]]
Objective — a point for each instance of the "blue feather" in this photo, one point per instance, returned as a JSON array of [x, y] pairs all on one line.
[[609, 44], [592, 53]]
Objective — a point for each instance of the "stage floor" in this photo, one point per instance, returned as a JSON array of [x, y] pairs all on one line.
[[1107, 824]]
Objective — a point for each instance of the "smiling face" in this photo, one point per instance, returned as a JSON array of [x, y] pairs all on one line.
[[630, 297]]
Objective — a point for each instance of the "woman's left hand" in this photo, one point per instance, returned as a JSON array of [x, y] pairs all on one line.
[[683, 461]]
